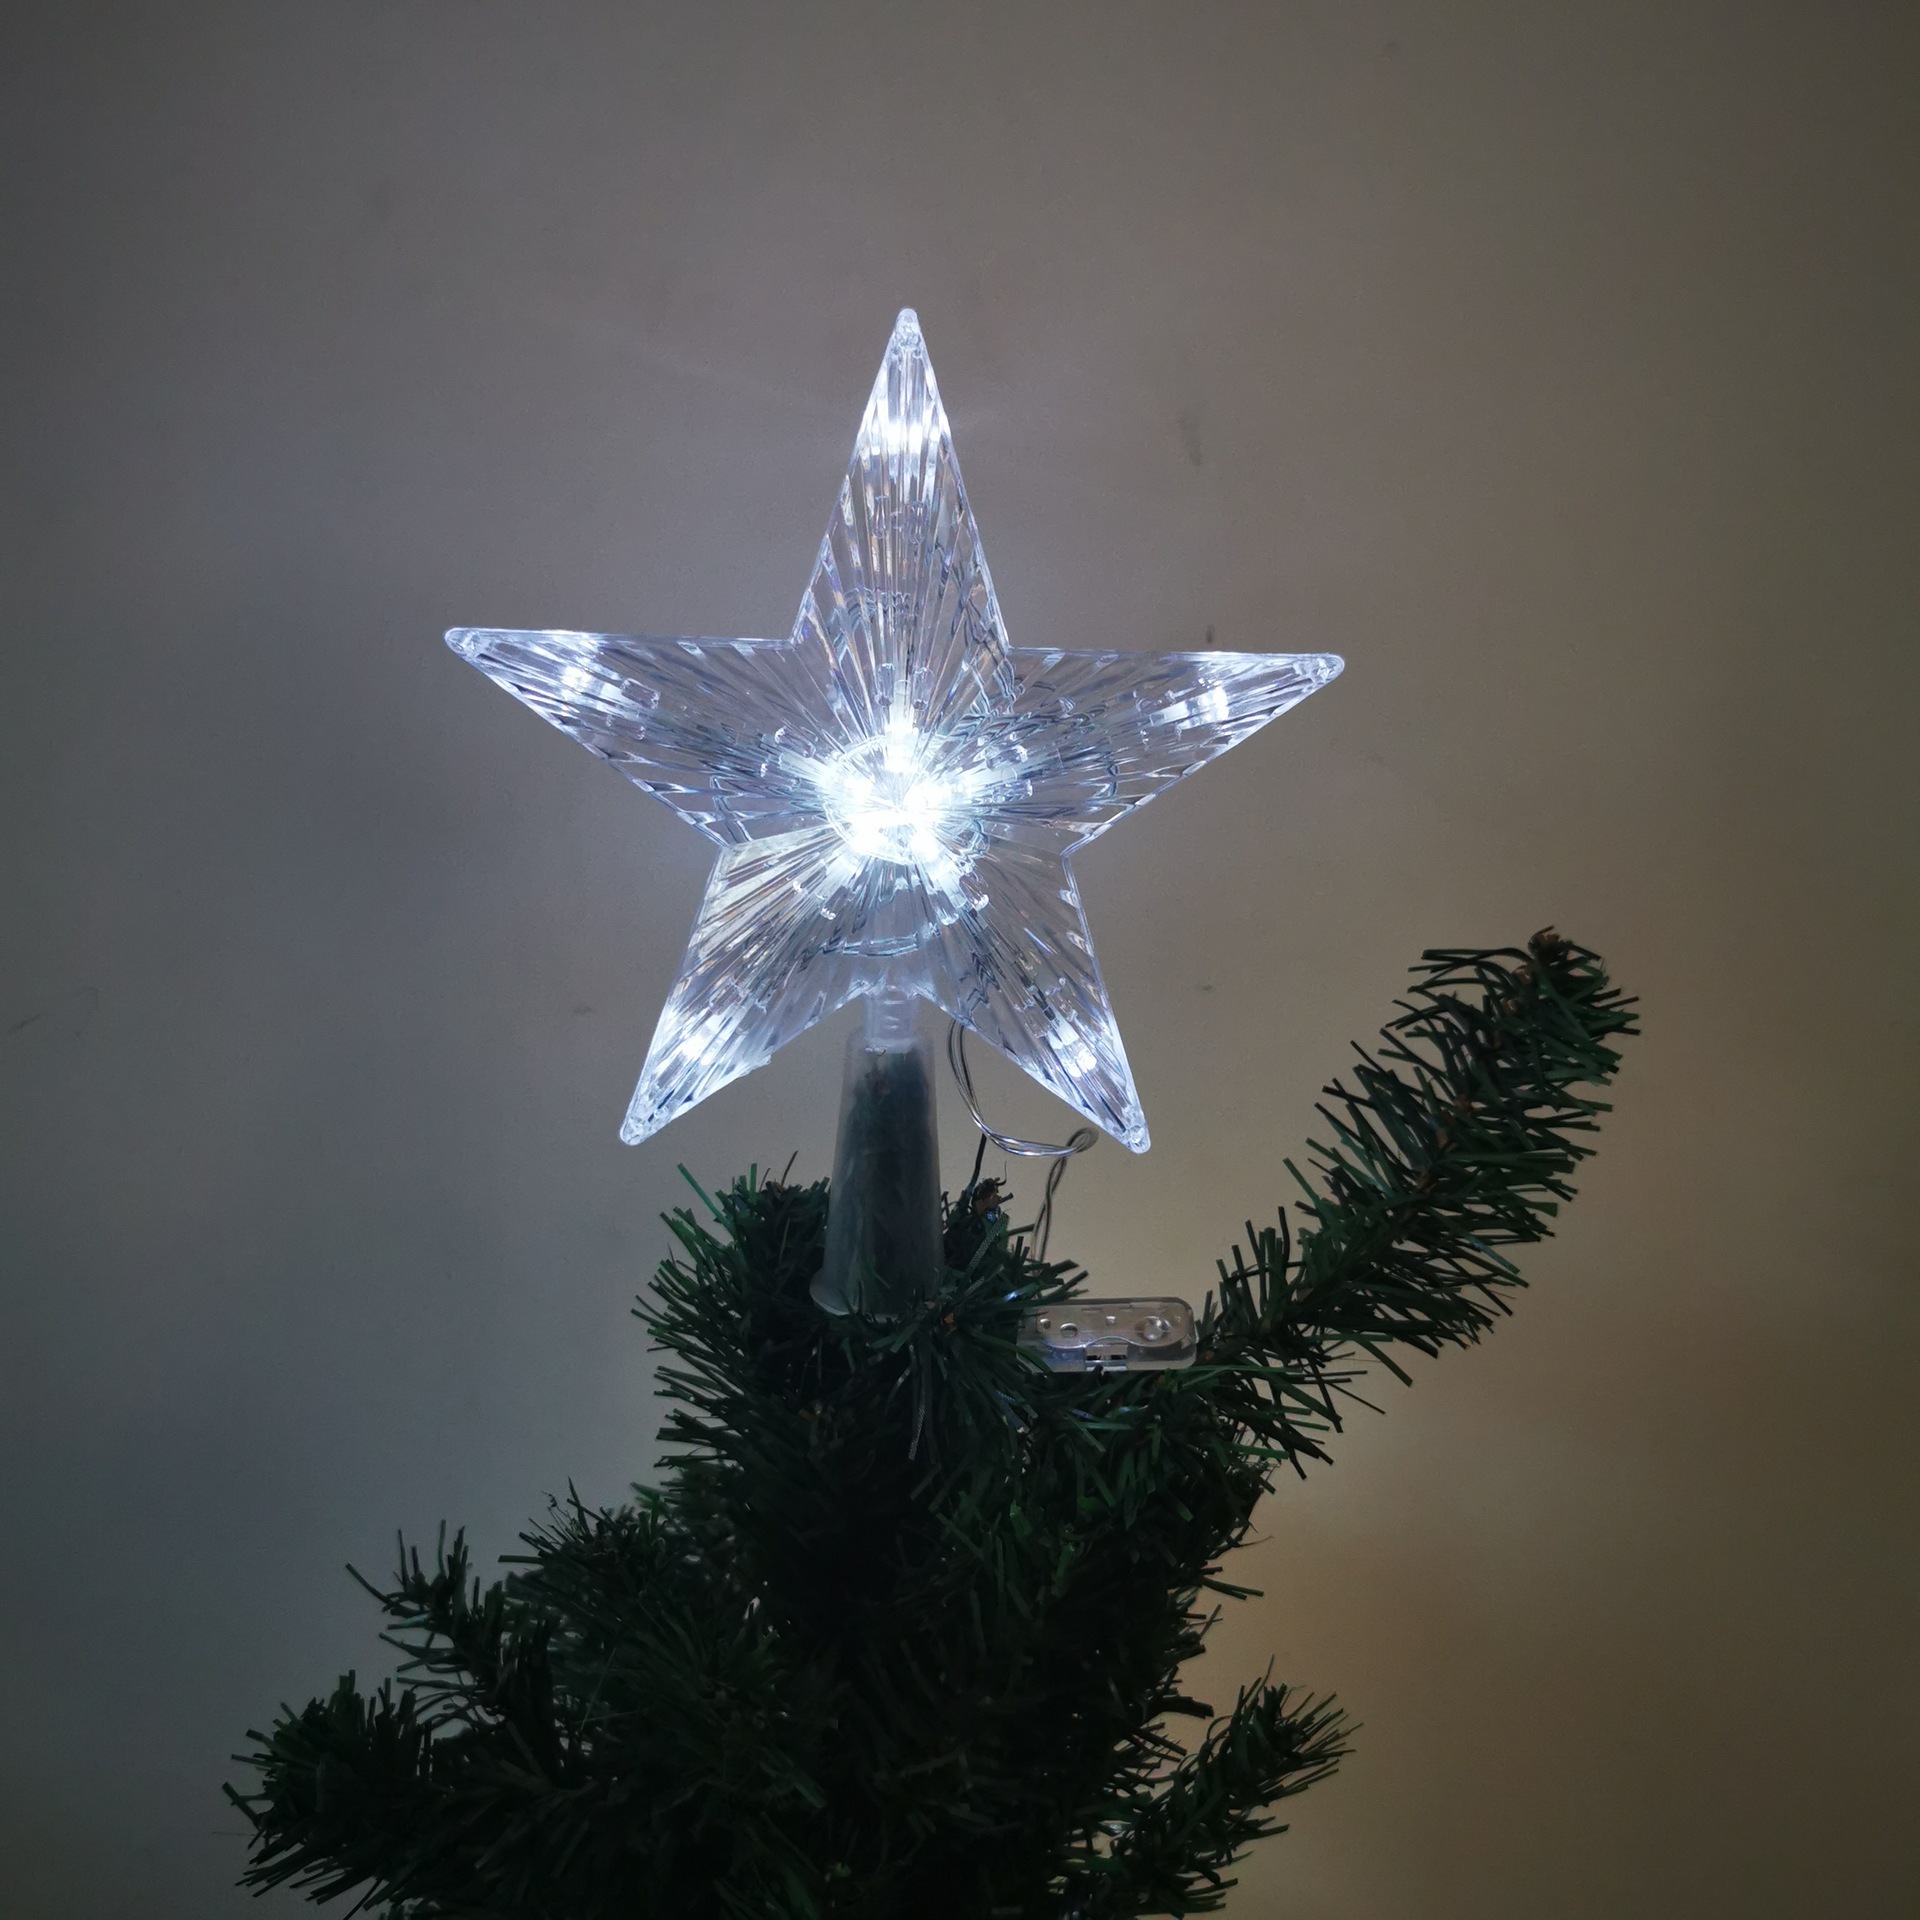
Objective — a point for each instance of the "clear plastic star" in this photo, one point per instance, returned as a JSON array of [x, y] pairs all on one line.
[[896, 792]]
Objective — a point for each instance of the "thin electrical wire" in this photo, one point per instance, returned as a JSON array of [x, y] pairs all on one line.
[[1078, 1141]]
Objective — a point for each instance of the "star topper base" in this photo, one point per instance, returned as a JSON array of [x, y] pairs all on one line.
[[883, 1256]]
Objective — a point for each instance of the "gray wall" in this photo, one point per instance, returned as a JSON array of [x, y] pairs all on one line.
[[1555, 365]]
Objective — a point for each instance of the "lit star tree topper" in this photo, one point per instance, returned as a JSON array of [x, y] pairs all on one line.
[[896, 792]]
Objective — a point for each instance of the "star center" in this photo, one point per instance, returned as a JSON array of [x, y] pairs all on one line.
[[889, 798]]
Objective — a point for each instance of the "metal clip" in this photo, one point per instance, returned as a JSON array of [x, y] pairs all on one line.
[[1111, 1336]]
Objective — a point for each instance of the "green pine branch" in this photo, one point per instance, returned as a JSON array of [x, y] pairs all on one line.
[[1170, 1857], [906, 1626], [1460, 1137]]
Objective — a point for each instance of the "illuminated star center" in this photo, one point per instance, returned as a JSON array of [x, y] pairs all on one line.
[[890, 798]]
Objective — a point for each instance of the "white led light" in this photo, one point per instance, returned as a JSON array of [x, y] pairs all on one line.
[[889, 799]]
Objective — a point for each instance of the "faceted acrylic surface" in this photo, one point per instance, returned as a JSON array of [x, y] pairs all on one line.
[[896, 792]]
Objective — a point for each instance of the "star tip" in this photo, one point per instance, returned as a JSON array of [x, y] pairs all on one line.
[[1331, 666], [906, 324], [465, 641]]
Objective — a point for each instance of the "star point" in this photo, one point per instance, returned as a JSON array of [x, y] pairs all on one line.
[[895, 791]]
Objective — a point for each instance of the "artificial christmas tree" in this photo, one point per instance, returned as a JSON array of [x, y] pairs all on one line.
[[902, 1628], [901, 1631]]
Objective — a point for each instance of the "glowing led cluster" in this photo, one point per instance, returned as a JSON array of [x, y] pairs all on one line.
[[895, 791], [895, 797]]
